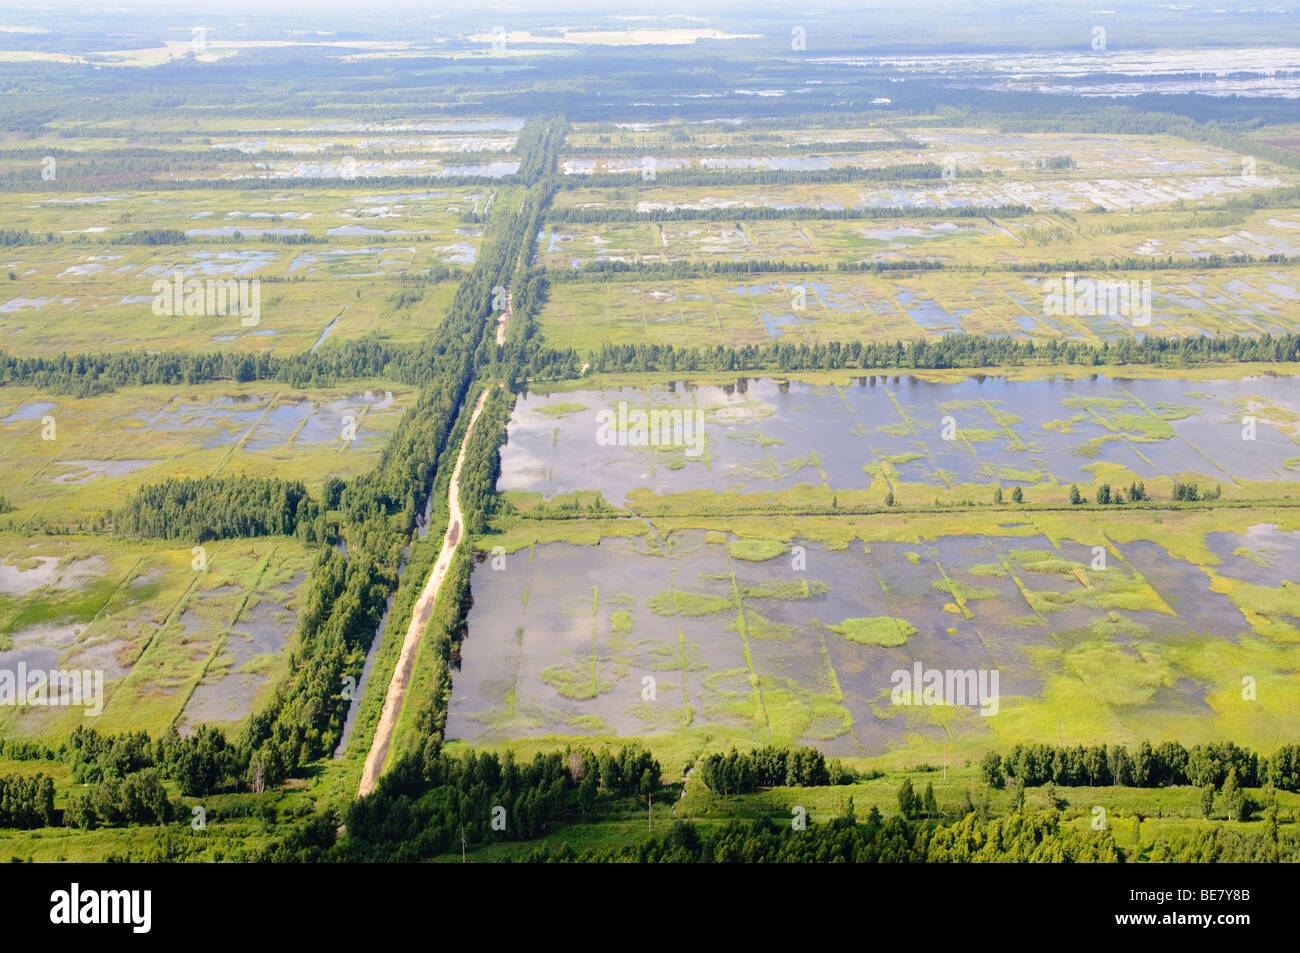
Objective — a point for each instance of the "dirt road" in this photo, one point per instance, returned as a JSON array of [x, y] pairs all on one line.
[[419, 620], [503, 322]]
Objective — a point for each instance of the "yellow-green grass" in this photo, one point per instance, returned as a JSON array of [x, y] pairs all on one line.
[[1101, 685], [1012, 157], [106, 447], [962, 243], [514, 535], [85, 293], [756, 550], [877, 630], [884, 308], [845, 376], [1047, 477], [212, 153], [193, 120], [1180, 530], [50, 315], [313, 210], [1166, 812]]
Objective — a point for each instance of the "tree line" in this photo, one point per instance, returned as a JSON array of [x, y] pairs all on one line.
[[682, 269], [201, 763], [575, 215], [220, 507], [949, 351], [153, 236], [525, 357], [88, 375], [23, 181], [1144, 263], [714, 178], [27, 802], [769, 766], [1020, 838], [139, 798], [345, 595], [976, 837], [427, 803], [119, 778], [1147, 766], [21, 236]]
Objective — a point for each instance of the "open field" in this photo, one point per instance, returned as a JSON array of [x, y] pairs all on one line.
[[915, 438], [1094, 198], [823, 307], [181, 635], [209, 148], [200, 122], [434, 214], [334, 279], [968, 242], [1014, 155], [104, 448], [713, 134], [1070, 192], [49, 319]]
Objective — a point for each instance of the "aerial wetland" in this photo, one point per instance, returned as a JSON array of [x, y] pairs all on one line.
[[906, 434], [1088, 629], [181, 636], [780, 569], [884, 308], [601, 439]]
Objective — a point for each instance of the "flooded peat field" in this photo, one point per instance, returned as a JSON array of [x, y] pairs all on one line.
[[564, 640], [160, 644], [803, 641], [764, 435], [1256, 303]]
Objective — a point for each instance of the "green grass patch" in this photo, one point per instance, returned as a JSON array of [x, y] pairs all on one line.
[[561, 409], [756, 550], [672, 602], [878, 630]]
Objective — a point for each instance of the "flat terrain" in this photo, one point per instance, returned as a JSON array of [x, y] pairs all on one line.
[[760, 625], [876, 434], [179, 642], [813, 308], [728, 572], [338, 284], [101, 449], [695, 226], [1104, 208], [1002, 243]]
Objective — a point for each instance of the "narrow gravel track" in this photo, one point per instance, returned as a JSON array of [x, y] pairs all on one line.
[[396, 693]]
